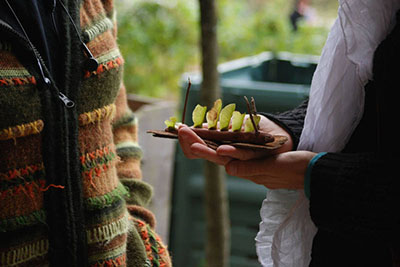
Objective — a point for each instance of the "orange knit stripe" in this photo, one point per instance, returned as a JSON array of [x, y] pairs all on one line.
[[21, 172], [17, 81], [30, 189], [112, 64], [95, 162], [146, 233]]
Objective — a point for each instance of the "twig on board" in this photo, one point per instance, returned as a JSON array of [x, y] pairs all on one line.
[[251, 109], [186, 100]]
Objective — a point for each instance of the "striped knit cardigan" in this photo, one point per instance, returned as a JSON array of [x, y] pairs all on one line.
[[107, 196]]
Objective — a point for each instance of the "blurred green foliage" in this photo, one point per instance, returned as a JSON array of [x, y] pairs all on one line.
[[160, 39]]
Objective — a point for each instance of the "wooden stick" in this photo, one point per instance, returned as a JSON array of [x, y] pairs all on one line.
[[253, 106], [186, 100], [251, 114]]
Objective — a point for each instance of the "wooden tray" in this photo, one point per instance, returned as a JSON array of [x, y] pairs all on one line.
[[279, 140]]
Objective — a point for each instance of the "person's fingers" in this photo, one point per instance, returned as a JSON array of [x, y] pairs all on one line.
[[251, 170], [257, 172], [286, 170], [186, 138], [194, 147], [241, 154], [247, 168], [203, 151]]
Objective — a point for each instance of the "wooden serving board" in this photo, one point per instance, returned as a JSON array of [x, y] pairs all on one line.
[[279, 140]]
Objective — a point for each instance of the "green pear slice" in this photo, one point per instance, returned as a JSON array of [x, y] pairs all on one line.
[[248, 125], [237, 121], [198, 116], [225, 116], [213, 114]]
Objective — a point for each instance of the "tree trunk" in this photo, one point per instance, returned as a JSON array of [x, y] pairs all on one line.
[[216, 199], [209, 51], [217, 216]]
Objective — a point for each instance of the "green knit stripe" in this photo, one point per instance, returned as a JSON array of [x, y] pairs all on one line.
[[99, 90], [11, 224], [20, 255], [15, 72], [107, 214], [18, 93], [109, 56], [141, 191], [154, 247], [107, 200], [129, 149], [14, 75], [128, 119], [22, 101], [100, 26], [106, 232]]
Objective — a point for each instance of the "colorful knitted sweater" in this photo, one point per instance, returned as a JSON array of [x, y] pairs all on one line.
[[71, 192]]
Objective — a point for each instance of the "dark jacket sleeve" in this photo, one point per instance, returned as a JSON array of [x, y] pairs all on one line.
[[353, 193], [356, 194], [292, 121]]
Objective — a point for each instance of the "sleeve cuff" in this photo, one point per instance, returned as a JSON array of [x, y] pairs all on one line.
[[307, 178]]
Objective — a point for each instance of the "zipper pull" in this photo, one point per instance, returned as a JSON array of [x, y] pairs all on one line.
[[67, 102], [91, 63]]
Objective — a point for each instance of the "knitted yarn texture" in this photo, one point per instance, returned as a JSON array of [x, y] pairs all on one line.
[[109, 159]]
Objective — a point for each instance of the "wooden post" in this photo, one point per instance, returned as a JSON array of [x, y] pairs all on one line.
[[216, 200]]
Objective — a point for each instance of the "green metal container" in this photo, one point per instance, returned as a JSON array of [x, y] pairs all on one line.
[[278, 82]]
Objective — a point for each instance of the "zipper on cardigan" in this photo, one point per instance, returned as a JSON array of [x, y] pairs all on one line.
[[65, 210], [67, 102], [91, 63], [30, 47]]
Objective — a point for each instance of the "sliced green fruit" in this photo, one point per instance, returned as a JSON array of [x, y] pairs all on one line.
[[225, 116], [198, 115], [248, 125], [237, 121], [171, 123], [213, 114]]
